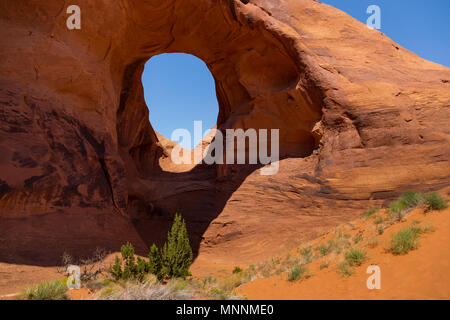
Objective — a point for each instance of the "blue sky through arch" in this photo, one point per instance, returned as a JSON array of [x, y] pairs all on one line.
[[179, 89]]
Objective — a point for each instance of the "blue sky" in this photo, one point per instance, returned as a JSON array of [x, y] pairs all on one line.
[[179, 88]]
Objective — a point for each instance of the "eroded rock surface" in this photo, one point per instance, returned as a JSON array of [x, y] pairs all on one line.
[[361, 120]]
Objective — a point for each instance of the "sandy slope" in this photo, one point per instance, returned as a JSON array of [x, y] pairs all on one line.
[[421, 274], [14, 278]]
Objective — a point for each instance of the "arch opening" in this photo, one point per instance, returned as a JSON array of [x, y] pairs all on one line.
[[179, 90]]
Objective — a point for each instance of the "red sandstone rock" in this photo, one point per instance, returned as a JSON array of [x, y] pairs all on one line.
[[361, 119]]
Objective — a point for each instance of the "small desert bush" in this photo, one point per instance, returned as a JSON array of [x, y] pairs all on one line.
[[411, 200], [55, 290], [380, 230], [278, 271], [105, 294], [234, 280], [298, 273], [325, 248], [91, 267], [324, 265], [208, 281], [237, 270], [264, 268], [224, 288], [372, 242], [219, 294], [149, 289], [378, 220], [276, 261], [405, 202], [224, 295], [228, 284], [434, 201], [429, 228], [338, 244], [344, 269], [306, 254], [357, 238], [355, 256], [405, 240], [97, 284], [370, 212]]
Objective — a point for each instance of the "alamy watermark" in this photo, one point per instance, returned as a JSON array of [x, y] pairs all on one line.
[[230, 148], [73, 22], [74, 277], [374, 21], [374, 281]]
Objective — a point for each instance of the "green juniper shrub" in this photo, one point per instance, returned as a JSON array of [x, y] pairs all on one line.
[[155, 262], [142, 268], [129, 269], [173, 261], [126, 268], [116, 268], [177, 253]]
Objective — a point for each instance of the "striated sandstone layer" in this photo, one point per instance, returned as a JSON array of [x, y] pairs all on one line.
[[361, 119]]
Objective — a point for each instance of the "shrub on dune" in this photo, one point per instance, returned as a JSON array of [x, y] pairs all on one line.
[[54, 290], [434, 201], [405, 240], [355, 256]]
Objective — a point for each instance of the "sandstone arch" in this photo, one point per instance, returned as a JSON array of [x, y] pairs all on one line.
[[361, 120]]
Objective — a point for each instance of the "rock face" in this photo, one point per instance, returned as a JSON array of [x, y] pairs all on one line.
[[361, 119]]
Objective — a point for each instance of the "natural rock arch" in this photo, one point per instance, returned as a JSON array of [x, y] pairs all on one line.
[[255, 69], [361, 119]]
